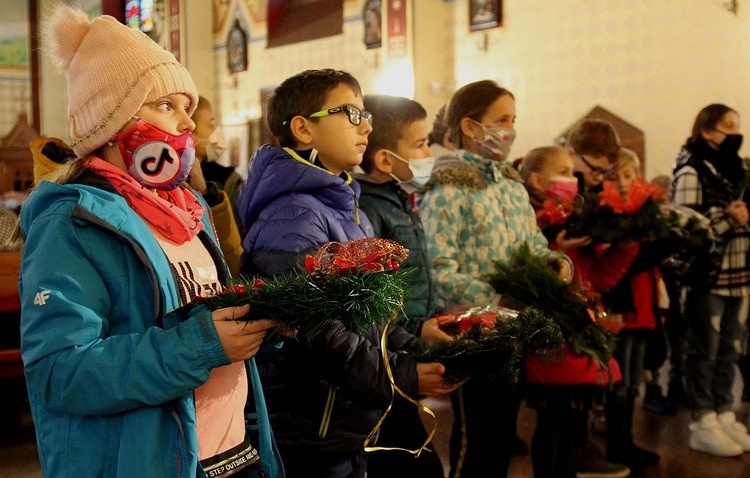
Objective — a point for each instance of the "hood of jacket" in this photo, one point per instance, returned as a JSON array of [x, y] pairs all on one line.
[[276, 172], [48, 155]]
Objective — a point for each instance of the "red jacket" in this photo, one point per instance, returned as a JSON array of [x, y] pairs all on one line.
[[603, 268], [569, 368], [644, 286]]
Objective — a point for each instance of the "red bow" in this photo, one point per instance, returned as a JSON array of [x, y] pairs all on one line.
[[639, 192], [554, 212], [459, 321], [360, 255]]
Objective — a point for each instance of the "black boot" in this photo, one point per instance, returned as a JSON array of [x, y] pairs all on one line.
[[617, 435], [640, 458], [655, 402], [620, 446]]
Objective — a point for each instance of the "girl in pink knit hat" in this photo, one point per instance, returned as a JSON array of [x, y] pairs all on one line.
[[114, 241]]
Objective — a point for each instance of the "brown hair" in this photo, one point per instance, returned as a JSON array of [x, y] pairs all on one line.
[[595, 137], [439, 127], [390, 116], [708, 118], [302, 95], [202, 104], [471, 101]]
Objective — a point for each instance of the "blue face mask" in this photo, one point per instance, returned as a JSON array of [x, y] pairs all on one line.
[[420, 168]]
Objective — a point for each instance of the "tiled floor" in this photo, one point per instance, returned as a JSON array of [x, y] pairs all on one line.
[[666, 435]]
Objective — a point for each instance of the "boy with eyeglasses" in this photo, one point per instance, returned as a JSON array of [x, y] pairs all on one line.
[[324, 398], [593, 144]]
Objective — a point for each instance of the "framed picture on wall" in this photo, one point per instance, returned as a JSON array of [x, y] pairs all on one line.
[[238, 145], [237, 48], [484, 14], [372, 19]]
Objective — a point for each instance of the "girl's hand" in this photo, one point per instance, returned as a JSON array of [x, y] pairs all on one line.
[[566, 273], [737, 210], [565, 244], [431, 332], [240, 339]]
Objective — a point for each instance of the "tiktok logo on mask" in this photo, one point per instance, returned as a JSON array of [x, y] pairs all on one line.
[[157, 161], [155, 158]]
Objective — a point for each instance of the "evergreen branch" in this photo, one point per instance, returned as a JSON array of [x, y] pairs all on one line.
[[307, 304], [496, 352], [530, 281]]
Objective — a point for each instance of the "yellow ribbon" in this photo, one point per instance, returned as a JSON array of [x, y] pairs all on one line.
[[394, 387]]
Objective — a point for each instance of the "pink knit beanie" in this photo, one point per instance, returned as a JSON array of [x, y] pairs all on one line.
[[111, 71]]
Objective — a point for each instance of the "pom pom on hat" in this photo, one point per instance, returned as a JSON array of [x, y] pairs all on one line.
[[65, 34], [111, 71]]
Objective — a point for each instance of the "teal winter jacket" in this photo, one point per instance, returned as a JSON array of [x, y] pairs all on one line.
[[110, 374]]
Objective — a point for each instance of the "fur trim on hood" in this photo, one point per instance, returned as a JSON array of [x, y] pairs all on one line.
[[451, 170]]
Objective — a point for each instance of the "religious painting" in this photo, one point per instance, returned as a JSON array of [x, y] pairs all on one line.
[[484, 14], [372, 19]]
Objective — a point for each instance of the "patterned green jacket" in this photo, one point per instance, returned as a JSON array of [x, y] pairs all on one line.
[[476, 212]]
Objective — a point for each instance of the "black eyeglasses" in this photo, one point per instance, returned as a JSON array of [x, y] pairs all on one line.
[[354, 114], [596, 169]]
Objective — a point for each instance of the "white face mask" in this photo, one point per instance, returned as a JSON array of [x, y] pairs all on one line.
[[216, 144], [420, 168]]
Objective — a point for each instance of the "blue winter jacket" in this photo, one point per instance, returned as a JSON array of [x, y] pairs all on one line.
[[291, 207], [324, 398], [110, 374]]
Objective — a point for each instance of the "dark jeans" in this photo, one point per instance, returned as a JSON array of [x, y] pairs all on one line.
[[715, 327], [403, 428], [676, 329], [629, 353], [561, 427], [484, 428]]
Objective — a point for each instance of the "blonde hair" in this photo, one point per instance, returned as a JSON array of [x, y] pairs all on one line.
[[66, 173], [535, 160], [627, 157]]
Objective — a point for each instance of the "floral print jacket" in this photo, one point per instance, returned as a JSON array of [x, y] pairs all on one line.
[[474, 214]]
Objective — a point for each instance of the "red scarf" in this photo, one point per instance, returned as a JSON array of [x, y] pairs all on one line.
[[176, 214]]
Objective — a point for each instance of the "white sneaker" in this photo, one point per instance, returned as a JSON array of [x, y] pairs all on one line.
[[735, 429], [707, 435]]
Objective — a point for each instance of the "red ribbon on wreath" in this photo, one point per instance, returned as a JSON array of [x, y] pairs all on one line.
[[461, 320], [361, 255], [640, 191], [585, 292], [554, 212]]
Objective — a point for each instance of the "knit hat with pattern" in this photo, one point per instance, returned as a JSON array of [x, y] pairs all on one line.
[[111, 71]]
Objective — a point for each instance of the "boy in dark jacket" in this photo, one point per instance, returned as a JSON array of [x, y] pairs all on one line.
[[326, 397], [396, 163]]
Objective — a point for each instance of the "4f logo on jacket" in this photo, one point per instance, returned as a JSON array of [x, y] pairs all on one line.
[[41, 297]]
